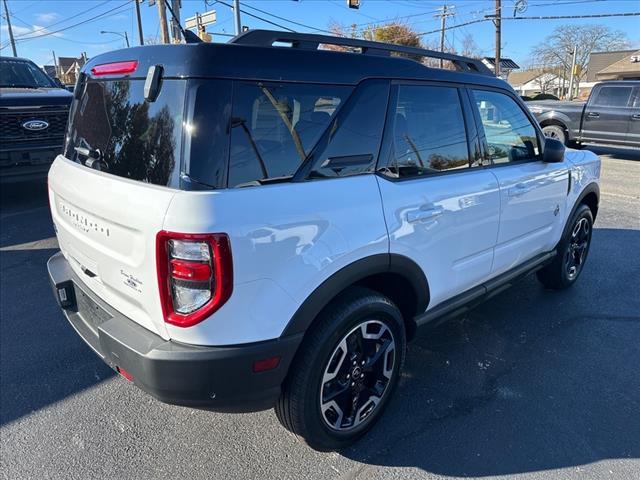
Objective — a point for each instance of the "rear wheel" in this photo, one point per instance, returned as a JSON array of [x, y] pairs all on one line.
[[556, 132], [572, 252], [345, 371]]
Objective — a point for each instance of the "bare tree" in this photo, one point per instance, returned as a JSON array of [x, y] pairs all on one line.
[[547, 79], [555, 50], [469, 47]]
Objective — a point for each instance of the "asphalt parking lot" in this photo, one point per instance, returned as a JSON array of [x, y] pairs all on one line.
[[532, 384]]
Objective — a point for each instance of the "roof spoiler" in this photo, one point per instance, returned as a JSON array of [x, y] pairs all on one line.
[[311, 41]]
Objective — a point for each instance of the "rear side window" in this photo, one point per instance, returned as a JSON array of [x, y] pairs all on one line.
[[275, 126], [428, 132], [613, 97], [131, 138], [509, 133]]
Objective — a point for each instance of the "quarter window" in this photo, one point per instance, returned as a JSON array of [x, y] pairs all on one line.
[[428, 132], [275, 126], [509, 133]]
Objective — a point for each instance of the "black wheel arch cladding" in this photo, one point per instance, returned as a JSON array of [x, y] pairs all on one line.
[[352, 274]]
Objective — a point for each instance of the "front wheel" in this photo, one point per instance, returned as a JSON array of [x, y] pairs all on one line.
[[573, 248], [345, 372]]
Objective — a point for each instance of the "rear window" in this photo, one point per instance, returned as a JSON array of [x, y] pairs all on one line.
[[275, 126], [130, 137]]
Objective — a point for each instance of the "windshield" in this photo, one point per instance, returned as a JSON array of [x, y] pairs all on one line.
[[21, 74]]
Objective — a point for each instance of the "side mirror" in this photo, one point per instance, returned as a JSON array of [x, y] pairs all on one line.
[[553, 151]]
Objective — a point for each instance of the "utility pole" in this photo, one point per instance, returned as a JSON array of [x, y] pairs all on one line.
[[236, 16], [162, 14], [11, 39], [573, 71], [55, 63], [444, 13], [498, 36], [137, 2], [175, 23]]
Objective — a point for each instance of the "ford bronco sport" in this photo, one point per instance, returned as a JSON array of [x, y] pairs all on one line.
[[266, 222]]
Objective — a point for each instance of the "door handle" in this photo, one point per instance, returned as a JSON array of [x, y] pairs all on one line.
[[424, 213], [519, 189], [635, 116], [593, 115]]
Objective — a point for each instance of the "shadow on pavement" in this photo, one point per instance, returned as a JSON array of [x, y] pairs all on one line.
[[617, 152], [531, 380], [42, 360]]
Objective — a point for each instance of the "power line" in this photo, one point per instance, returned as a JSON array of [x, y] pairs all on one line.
[[101, 15], [315, 29], [64, 19], [258, 17], [561, 17]]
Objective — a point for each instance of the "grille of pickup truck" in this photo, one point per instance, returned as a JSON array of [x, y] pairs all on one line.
[[12, 130]]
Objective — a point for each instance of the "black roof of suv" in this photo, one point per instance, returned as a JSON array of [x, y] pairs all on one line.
[[279, 56]]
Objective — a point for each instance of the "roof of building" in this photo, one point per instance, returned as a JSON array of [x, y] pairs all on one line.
[[598, 61], [505, 63], [629, 66], [50, 70]]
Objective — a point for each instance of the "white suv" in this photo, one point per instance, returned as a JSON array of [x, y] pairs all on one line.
[[249, 225]]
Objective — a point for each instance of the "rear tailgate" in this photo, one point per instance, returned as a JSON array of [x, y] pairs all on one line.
[[107, 228]]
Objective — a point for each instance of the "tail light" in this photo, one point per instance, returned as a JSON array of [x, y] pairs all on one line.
[[115, 68], [195, 275]]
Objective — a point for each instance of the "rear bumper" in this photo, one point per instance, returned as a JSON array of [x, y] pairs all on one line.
[[213, 378]]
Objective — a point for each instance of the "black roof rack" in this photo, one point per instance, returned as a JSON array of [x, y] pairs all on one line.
[[311, 41]]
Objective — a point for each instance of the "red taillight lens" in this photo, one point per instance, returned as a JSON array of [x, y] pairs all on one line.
[[195, 275], [115, 68], [184, 270]]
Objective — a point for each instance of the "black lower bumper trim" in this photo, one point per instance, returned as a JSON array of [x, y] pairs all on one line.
[[213, 378]]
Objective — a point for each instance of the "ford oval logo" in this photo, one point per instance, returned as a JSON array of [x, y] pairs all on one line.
[[35, 125]]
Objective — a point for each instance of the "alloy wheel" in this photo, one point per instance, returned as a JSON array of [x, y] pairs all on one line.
[[357, 375], [578, 246]]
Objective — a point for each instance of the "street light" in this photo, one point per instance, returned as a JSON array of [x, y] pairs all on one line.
[[118, 33]]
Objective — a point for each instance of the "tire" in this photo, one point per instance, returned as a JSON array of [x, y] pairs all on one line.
[[572, 252], [324, 366], [555, 131]]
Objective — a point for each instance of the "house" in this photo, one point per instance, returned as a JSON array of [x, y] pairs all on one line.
[[627, 68], [69, 68], [506, 65], [598, 61], [536, 80]]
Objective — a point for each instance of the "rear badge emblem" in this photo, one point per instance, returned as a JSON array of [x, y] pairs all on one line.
[[35, 125]]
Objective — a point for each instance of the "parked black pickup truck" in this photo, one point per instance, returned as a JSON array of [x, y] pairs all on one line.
[[610, 116], [33, 120]]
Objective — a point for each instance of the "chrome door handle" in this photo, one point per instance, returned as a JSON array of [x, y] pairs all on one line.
[[635, 116], [424, 213], [593, 114], [519, 189]]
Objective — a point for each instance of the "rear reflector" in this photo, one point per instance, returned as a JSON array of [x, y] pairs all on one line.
[[125, 374], [266, 364], [115, 68]]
